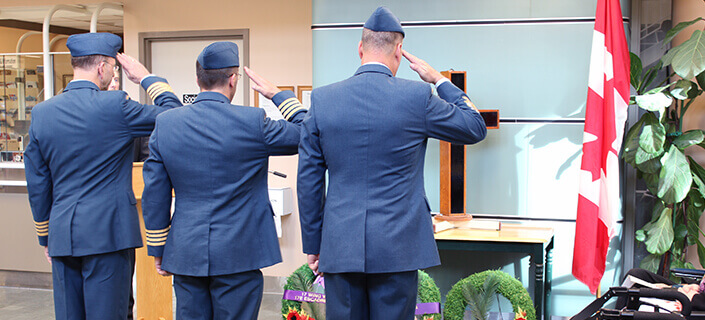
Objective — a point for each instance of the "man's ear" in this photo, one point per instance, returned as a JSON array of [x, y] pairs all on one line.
[[398, 52], [232, 81], [359, 49], [101, 68]]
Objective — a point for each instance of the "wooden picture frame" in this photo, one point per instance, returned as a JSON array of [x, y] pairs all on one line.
[[269, 108], [303, 93], [257, 94]]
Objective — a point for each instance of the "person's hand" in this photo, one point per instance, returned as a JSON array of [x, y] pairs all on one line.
[[661, 285], [261, 85], [158, 266], [46, 253], [425, 71], [312, 260], [689, 290], [134, 70]]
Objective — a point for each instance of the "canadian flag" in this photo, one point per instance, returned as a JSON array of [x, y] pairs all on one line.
[[605, 114]]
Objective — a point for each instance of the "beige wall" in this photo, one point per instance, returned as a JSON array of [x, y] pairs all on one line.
[[686, 10], [280, 50]]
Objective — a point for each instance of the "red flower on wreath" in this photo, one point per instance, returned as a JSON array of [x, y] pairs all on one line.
[[520, 315], [295, 315]]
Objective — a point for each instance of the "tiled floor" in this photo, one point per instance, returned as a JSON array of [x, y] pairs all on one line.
[[33, 304]]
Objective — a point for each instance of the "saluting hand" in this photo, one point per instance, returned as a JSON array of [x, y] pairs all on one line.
[[261, 85], [425, 71], [158, 266], [134, 70]]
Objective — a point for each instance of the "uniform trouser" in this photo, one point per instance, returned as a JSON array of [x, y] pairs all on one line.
[[373, 296], [94, 286], [234, 296]]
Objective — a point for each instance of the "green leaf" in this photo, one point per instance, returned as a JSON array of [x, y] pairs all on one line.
[[652, 136], [696, 168], [701, 253], [660, 236], [631, 142], [677, 263], [667, 58], [696, 199], [677, 29], [689, 138], [659, 206], [680, 235], [651, 180], [699, 183], [635, 70], [649, 77], [689, 59], [640, 235], [681, 88], [700, 78], [680, 232], [654, 101], [647, 162], [675, 177], [651, 262], [693, 232], [694, 210]]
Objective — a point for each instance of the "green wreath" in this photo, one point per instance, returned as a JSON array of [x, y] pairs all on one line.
[[302, 280], [510, 288]]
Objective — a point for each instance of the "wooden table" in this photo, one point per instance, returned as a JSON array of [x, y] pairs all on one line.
[[533, 241]]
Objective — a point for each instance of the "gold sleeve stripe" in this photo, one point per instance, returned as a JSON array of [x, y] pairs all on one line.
[[287, 103], [39, 224], [156, 244], [158, 231], [157, 92], [42, 229], [42, 234], [291, 107], [157, 89], [469, 103], [156, 239], [157, 86], [292, 112], [155, 235]]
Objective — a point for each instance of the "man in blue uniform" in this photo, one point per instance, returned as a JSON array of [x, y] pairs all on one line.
[[215, 157], [78, 166], [373, 229]]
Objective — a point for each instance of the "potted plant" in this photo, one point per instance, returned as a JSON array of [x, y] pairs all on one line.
[[655, 146]]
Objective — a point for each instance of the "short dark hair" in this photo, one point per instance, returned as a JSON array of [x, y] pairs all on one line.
[[383, 41], [87, 62], [213, 78]]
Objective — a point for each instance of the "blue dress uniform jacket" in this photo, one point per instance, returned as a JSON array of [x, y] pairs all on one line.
[[215, 156], [370, 133], [78, 166]]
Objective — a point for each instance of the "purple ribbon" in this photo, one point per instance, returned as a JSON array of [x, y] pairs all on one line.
[[305, 296], [427, 308]]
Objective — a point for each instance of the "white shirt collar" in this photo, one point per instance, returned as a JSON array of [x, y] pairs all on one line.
[[379, 63]]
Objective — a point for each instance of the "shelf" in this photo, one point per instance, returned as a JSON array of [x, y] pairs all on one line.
[[13, 183], [11, 165]]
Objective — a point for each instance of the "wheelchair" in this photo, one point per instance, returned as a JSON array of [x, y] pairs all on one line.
[[630, 302]]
